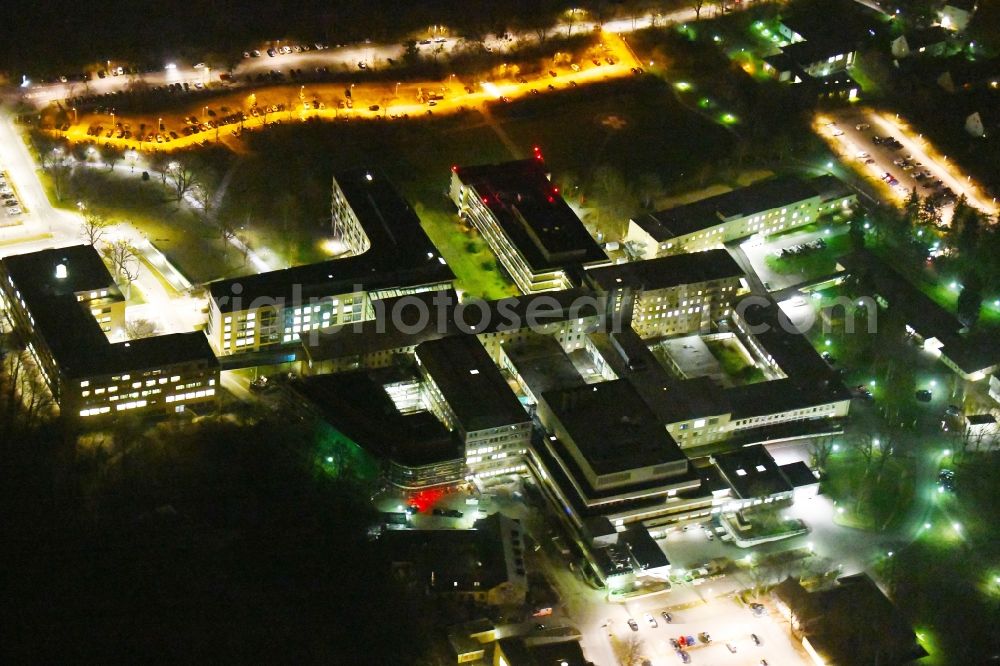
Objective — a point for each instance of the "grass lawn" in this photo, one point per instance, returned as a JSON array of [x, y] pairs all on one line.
[[941, 292], [813, 263], [634, 125], [734, 363], [190, 244], [881, 501], [947, 579]]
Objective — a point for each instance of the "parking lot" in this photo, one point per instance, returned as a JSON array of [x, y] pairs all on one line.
[[11, 203], [729, 626], [881, 147]]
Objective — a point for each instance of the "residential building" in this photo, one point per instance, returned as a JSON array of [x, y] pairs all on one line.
[[483, 565], [391, 256], [673, 294], [764, 208], [65, 306], [464, 387], [536, 236], [851, 624], [956, 14], [930, 42]]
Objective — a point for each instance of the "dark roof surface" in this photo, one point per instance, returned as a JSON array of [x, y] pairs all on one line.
[[542, 364], [706, 213], [970, 351], [752, 472], [532, 213], [669, 271], [401, 254], [798, 474], [471, 383], [506, 314], [356, 404], [853, 623], [445, 557], [612, 427], [78, 345]]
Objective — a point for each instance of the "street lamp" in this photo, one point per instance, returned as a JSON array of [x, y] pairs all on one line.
[[75, 119]]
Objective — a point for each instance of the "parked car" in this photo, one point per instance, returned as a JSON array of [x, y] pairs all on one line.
[[633, 625], [667, 617], [755, 638], [651, 620], [923, 395]]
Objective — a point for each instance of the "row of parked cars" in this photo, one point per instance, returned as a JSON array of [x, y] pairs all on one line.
[[124, 99], [889, 142], [9, 198], [284, 50], [801, 248]]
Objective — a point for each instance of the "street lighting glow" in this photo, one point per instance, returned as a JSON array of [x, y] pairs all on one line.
[[170, 66], [492, 89], [947, 452], [927, 526], [682, 85], [956, 526]]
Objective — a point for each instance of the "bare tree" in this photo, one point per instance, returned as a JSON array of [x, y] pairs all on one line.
[[93, 227], [111, 155], [631, 650], [697, 4], [182, 177], [25, 399], [820, 449], [139, 328], [124, 260]]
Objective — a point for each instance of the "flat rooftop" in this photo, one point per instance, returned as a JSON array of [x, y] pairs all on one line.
[[752, 472], [971, 351], [612, 427], [78, 345], [532, 213], [709, 212], [356, 404], [542, 364], [470, 383], [665, 272], [401, 254], [409, 329]]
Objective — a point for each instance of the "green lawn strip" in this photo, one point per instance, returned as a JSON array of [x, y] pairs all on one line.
[[734, 363], [812, 263]]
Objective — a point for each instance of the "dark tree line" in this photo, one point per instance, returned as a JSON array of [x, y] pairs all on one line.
[[211, 543]]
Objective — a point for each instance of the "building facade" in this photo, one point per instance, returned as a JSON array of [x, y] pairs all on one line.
[[534, 234], [65, 306], [390, 256], [762, 209]]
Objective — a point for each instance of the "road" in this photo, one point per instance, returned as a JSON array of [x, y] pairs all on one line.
[[45, 226], [373, 55]]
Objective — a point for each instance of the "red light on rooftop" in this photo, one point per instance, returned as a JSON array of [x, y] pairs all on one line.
[[454, 168], [555, 190], [486, 200]]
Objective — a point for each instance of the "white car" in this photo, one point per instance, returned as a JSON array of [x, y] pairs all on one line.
[[651, 620]]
